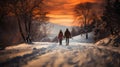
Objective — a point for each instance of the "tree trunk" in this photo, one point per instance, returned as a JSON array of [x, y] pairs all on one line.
[[28, 32], [85, 22], [86, 35], [20, 29]]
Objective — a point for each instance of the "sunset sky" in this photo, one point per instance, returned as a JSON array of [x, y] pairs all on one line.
[[61, 11]]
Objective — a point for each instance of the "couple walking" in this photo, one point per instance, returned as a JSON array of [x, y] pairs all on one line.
[[66, 35]]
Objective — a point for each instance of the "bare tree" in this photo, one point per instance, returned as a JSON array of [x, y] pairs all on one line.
[[83, 12], [26, 12]]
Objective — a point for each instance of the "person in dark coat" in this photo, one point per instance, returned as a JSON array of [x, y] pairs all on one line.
[[60, 37], [67, 35]]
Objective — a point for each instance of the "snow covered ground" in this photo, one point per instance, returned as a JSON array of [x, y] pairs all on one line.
[[80, 53]]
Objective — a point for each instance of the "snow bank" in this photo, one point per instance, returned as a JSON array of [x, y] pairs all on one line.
[[20, 46], [109, 41], [103, 42]]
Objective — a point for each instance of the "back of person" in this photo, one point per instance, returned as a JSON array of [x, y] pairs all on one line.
[[60, 35], [67, 34]]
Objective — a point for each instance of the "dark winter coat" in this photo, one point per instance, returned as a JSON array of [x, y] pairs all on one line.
[[67, 34]]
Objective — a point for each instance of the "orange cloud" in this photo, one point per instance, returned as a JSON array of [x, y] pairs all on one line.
[[60, 16], [61, 19], [61, 11]]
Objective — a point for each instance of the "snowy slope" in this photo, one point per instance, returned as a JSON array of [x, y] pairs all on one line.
[[82, 38], [56, 28]]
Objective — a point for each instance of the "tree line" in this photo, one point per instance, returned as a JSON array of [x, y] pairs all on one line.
[[104, 18]]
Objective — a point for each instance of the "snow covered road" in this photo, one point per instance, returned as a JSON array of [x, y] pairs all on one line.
[[80, 53], [53, 55], [76, 56]]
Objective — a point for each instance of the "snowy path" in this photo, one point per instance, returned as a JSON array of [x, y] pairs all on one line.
[[46, 54], [76, 56], [53, 55]]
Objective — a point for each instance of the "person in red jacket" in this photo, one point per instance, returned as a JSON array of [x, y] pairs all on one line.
[[67, 35], [60, 37]]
